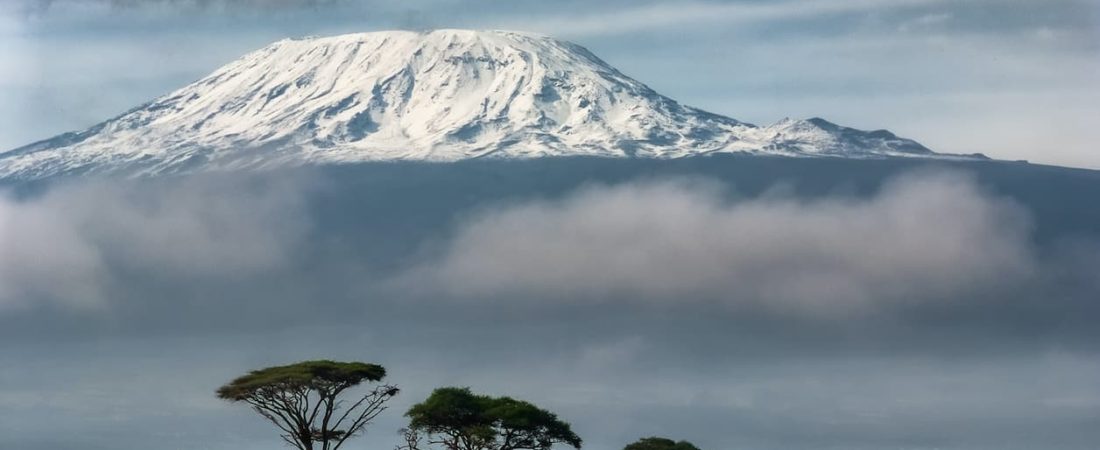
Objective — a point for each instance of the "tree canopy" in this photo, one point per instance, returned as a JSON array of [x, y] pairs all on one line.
[[660, 443], [461, 420], [303, 399]]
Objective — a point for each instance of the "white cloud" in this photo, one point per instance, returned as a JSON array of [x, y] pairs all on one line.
[[925, 22], [64, 246], [679, 14], [927, 237]]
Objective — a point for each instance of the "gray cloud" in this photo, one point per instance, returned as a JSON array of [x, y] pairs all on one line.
[[929, 236], [281, 269], [935, 254], [71, 244], [647, 16], [43, 6]]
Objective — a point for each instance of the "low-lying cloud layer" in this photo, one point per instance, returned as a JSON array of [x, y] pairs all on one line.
[[918, 312], [75, 243], [923, 237]]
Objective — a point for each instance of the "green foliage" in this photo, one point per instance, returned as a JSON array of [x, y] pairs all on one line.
[[660, 443], [320, 375], [461, 420], [304, 400]]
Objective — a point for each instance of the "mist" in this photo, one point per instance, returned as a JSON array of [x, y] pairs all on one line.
[[923, 307]]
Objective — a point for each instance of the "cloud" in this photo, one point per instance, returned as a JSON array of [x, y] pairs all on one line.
[[642, 17], [42, 6], [922, 237], [926, 22], [69, 245], [598, 354]]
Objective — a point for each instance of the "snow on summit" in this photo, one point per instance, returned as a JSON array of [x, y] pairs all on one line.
[[444, 95]]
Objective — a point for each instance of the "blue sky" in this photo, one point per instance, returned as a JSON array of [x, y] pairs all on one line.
[[1014, 79]]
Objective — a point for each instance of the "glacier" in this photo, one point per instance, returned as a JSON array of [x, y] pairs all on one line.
[[443, 95]]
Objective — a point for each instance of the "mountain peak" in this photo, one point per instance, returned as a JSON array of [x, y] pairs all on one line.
[[441, 95]]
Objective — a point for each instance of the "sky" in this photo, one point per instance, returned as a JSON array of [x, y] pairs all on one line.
[[1014, 79], [828, 304]]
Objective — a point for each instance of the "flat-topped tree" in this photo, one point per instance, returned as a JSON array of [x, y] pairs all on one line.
[[660, 443], [306, 401], [458, 419]]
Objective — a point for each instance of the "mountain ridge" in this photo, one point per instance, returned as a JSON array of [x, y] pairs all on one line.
[[444, 95]]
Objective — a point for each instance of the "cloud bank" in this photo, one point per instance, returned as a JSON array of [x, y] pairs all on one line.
[[72, 244], [927, 236], [918, 312]]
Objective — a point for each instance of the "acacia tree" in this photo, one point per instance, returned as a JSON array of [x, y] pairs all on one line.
[[306, 400], [660, 443], [458, 419]]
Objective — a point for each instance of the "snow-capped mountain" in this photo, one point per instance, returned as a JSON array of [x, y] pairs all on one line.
[[444, 95]]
